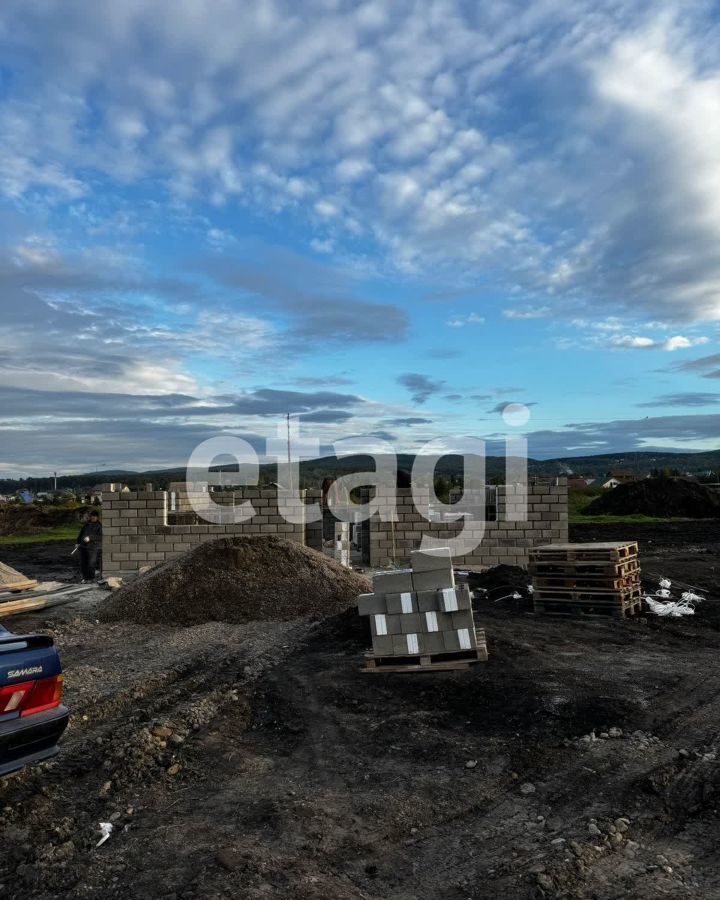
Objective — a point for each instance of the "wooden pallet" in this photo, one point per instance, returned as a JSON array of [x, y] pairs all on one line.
[[593, 552], [603, 569], [580, 610], [584, 583], [429, 662], [588, 595]]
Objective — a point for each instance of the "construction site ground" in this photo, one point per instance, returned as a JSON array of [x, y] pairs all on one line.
[[259, 761]]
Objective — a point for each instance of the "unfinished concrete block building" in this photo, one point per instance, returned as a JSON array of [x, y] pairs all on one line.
[[143, 528]]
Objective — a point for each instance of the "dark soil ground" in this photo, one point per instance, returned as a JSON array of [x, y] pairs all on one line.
[[258, 761]]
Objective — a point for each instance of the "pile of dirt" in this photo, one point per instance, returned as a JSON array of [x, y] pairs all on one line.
[[238, 579], [32, 519], [659, 497]]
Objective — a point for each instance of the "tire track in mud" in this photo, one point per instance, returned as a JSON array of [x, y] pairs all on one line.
[[113, 757]]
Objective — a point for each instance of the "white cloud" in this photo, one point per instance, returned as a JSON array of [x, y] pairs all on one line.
[[462, 321], [322, 246], [633, 342], [352, 168], [602, 188], [666, 103], [326, 208], [528, 312], [678, 342]]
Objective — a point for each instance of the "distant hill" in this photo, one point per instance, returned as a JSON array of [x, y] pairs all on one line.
[[314, 470], [640, 462]]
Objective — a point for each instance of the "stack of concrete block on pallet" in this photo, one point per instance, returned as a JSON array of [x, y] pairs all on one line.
[[419, 611]]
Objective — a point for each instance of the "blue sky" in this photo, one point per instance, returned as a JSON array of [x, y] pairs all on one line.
[[389, 218]]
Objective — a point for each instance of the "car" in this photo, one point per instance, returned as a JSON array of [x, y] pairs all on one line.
[[32, 715]]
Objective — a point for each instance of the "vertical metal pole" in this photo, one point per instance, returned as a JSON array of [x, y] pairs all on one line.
[[288, 451]]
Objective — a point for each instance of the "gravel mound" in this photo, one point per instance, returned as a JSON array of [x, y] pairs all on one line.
[[659, 497], [238, 579]]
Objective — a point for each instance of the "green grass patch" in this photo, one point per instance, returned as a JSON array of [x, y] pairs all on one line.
[[59, 533]]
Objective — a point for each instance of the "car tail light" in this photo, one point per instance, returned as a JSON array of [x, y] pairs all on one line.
[[13, 696], [31, 697]]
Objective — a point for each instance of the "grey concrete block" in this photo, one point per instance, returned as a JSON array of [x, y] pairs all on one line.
[[397, 582], [453, 600], [411, 623], [434, 643], [383, 646], [403, 644], [427, 601], [371, 604], [462, 619], [431, 560], [454, 640], [397, 604], [436, 621], [432, 580]]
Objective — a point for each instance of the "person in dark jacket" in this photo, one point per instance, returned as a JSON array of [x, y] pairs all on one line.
[[89, 544]]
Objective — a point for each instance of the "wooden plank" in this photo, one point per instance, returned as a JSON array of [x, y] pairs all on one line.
[[14, 586], [30, 604], [590, 596], [599, 551], [586, 568], [588, 545], [581, 583], [39, 591]]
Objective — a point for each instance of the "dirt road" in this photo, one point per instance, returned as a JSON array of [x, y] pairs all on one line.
[[258, 761]]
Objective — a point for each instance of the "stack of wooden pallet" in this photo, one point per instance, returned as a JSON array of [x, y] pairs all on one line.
[[600, 579]]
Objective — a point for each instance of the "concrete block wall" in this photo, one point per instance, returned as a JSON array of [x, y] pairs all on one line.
[[313, 530], [147, 527], [505, 540], [136, 532]]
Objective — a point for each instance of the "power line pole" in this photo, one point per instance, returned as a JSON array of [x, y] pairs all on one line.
[[288, 450]]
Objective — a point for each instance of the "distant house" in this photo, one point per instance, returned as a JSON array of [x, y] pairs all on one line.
[[609, 483], [577, 483], [107, 488], [603, 482], [622, 476]]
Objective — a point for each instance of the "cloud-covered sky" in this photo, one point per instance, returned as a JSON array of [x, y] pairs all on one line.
[[385, 217]]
